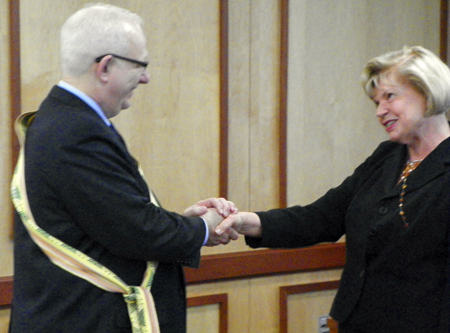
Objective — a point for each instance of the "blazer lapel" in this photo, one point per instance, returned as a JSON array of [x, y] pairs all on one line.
[[431, 167], [392, 169]]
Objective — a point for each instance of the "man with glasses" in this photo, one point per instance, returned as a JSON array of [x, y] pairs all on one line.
[[95, 239]]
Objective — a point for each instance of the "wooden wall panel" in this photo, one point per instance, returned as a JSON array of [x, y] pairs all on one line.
[[244, 265], [259, 54], [238, 296], [239, 102], [5, 117], [5, 158], [264, 104], [173, 126], [240, 160], [6, 86], [332, 126], [200, 316], [312, 301], [265, 308]]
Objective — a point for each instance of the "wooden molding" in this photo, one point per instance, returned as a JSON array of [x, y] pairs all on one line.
[[14, 73], [244, 265], [283, 100], [241, 265], [299, 289], [223, 118], [6, 283], [221, 299], [333, 325], [14, 86], [443, 40]]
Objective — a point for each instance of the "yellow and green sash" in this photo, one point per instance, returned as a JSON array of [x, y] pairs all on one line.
[[141, 307]]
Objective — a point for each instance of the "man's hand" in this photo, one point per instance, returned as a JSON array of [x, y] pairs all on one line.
[[222, 206]]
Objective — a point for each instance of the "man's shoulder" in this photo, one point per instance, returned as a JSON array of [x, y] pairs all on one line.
[[63, 108], [60, 99], [58, 122]]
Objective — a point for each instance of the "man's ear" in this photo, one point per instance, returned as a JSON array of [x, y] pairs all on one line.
[[102, 69]]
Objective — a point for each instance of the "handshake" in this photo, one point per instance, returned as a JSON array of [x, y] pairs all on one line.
[[223, 221]]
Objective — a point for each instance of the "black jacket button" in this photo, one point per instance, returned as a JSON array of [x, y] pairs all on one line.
[[383, 210]]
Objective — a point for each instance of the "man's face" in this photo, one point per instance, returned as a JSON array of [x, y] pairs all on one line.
[[125, 76]]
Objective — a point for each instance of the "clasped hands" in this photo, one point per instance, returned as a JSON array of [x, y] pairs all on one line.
[[223, 220], [213, 211]]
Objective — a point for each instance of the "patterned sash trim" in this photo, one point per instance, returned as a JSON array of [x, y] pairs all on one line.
[[139, 300]]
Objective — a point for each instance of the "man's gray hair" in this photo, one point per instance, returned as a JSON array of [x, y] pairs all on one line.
[[93, 31]]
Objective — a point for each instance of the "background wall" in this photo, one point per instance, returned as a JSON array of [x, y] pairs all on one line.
[[6, 256], [174, 126], [332, 126]]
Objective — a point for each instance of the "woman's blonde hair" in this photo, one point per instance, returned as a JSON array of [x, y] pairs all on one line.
[[418, 66]]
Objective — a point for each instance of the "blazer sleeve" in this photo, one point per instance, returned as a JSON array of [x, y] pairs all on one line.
[[320, 221]]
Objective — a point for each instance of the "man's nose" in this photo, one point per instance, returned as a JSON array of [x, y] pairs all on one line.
[[145, 77]]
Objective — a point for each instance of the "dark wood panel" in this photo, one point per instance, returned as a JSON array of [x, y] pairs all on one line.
[[283, 99], [14, 84], [6, 283], [444, 31]]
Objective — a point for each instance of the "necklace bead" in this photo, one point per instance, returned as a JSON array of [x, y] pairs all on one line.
[[410, 167]]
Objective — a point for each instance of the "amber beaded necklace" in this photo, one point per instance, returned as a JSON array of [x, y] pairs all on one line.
[[410, 167]]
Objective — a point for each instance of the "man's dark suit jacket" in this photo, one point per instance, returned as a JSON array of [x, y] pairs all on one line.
[[85, 189], [395, 278]]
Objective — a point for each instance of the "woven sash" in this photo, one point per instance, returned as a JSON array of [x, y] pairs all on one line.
[[141, 307]]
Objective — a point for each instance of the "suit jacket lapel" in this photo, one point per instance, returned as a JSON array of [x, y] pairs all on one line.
[[139, 177], [65, 97]]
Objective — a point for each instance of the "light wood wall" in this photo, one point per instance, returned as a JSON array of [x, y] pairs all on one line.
[[332, 126], [174, 126], [6, 255]]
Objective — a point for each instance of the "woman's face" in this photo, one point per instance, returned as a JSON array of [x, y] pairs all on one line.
[[401, 110]]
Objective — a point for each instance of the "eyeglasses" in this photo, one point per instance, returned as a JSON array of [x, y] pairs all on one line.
[[140, 63]]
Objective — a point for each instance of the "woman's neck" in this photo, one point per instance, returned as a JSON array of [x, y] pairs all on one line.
[[438, 132]]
